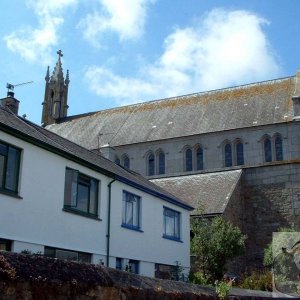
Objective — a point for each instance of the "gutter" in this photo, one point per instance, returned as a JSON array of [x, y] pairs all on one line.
[[108, 223]]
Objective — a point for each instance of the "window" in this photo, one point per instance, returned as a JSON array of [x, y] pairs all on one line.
[[151, 165], [133, 266], [81, 193], [117, 161], [199, 158], [268, 150], [129, 265], [171, 224], [161, 163], [131, 211], [67, 254], [9, 168], [126, 162], [188, 160], [119, 263], [278, 148], [5, 245], [228, 155], [239, 147]]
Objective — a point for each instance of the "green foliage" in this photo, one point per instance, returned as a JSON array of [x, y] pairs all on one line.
[[222, 289], [214, 244], [258, 280], [268, 251], [198, 278]]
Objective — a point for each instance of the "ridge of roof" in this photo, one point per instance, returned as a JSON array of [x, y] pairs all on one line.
[[207, 92], [47, 139]]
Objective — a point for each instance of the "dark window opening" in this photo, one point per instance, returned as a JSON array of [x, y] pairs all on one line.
[[228, 155], [239, 154], [268, 150], [188, 160], [151, 165], [161, 162]]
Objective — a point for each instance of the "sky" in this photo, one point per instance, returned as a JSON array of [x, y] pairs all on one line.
[[120, 52]]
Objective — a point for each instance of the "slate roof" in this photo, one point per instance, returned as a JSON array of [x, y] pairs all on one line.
[[250, 105], [208, 192], [28, 131]]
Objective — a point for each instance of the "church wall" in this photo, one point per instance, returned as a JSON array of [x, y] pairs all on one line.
[[213, 146], [272, 200]]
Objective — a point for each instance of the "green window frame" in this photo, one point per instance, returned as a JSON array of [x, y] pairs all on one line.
[[10, 157], [81, 193]]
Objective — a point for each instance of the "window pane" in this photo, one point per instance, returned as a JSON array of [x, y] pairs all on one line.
[[133, 266], [171, 223], [126, 162], [12, 169], [93, 197], [278, 148], [119, 263], [151, 165], [228, 155], [161, 160], [239, 154], [2, 168], [199, 156], [71, 187], [66, 255], [82, 197], [131, 210], [129, 213], [268, 150], [188, 160]]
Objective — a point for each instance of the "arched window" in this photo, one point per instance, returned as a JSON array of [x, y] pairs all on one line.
[[199, 158], [188, 160], [239, 147], [151, 165], [126, 162], [278, 148], [161, 163], [268, 150], [228, 155], [117, 161]]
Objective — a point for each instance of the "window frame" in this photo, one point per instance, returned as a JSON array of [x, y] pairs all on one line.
[[278, 150], [188, 159], [131, 225], [72, 191], [17, 164], [239, 153], [150, 164], [177, 223], [199, 163], [228, 159], [79, 254], [268, 155], [161, 163]]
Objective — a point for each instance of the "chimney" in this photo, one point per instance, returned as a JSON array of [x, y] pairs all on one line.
[[296, 97], [10, 102]]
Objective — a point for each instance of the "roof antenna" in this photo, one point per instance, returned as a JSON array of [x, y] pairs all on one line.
[[10, 88]]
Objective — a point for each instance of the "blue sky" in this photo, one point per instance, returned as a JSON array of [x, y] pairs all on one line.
[[120, 52]]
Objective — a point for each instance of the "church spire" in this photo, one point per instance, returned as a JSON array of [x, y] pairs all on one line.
[[56, 94]]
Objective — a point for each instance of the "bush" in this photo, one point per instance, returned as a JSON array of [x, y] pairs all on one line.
[[258, 280]]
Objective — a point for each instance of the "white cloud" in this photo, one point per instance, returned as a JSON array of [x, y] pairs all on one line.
[[124, 17], [225, 48], [34, 44]]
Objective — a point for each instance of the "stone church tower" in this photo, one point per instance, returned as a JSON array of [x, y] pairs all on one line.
[[55, 102]]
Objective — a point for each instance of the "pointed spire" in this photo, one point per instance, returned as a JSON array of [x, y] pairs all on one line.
[[58, 71], [47, 75]]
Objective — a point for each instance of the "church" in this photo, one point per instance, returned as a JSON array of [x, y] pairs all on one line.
[[233, 152]]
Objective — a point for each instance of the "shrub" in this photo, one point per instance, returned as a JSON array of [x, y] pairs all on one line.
[[258, 280]]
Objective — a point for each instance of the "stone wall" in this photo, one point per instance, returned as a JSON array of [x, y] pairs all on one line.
[[271, 196]]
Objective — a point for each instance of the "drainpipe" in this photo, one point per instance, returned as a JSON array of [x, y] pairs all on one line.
[[108, 222]]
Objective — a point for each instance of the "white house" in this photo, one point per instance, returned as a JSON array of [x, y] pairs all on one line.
[[65, 201]]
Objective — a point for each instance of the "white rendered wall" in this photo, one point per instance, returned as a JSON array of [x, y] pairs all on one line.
[[37, 219]]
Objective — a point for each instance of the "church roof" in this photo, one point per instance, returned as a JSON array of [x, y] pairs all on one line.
[[209, 193], [250, 105], [43, 138]]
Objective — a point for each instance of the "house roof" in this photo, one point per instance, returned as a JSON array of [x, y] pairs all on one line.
[[250, 105], [209, 193], [41, 137]]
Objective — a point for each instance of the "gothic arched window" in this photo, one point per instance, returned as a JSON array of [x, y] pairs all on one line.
[[126, 162], [228, 155], [188, 160], [151, 165], [278, 148], [161, 163], [268, 150], [199, 158], [117, 161], [239, 147]]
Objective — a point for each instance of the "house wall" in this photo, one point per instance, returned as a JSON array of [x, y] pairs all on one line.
[[213, 144], [37, 219]]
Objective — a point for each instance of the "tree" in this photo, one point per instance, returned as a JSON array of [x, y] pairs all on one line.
[[214, 243]]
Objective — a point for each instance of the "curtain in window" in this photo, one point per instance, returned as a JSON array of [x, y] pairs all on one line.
[[278, 148], [151, 165], [268, 150], [228, 155], [130, 209], [161, 161], [239, 153], [71, 180], [188, 160], [199, 157]]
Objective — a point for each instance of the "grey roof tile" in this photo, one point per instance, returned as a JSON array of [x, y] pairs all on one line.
[[209, 193], [238, 107]]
